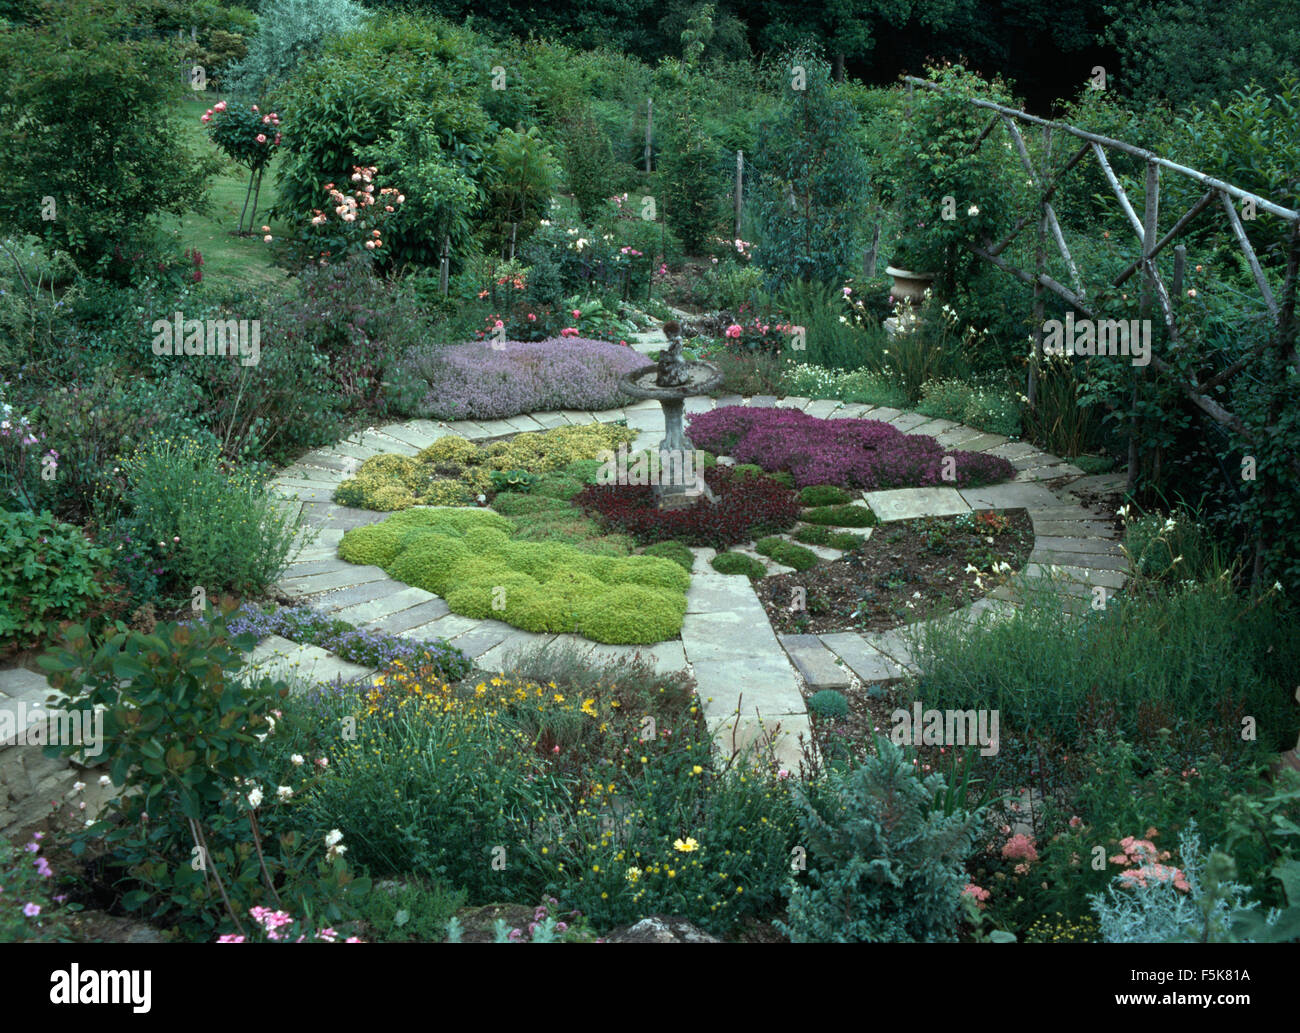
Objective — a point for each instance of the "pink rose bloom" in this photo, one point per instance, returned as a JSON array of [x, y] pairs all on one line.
[[1075, 822], [219, 106], [532, 318], [733, 331], [261, 138], [255, 108], [498, 325], [206, 118], [569, 331], [577, 314]]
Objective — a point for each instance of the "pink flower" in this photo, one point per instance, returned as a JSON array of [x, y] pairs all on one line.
[[230, 938], [976, 893], [1075, 822], [569, 331], [734, 331], [261, 138], [254, 108], [498, 325], [206, 118], [532, 318], [1020, 847], [577, 314], [31, 910]]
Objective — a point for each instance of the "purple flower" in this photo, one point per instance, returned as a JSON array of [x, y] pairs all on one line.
[[31, 910], [483, 381]]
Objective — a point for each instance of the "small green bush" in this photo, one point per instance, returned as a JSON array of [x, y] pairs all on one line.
[[1173, 548], [824, 495], [786, 553], [829, 704], [50, 573], [840, 516], [883, 865], [738, 563], [675, 551], [510, 503]]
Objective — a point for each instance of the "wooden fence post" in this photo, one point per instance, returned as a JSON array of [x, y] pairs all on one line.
[[869, 257], [1150, 220], [740, 188], [1040, 270], [649, 130]]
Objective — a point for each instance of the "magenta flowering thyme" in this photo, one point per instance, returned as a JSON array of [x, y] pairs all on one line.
[[852, 453]]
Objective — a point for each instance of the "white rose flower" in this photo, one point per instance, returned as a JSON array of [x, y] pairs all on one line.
[[283, 793], [255, 797]]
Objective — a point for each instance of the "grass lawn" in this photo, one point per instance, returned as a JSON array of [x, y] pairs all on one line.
[[228, 259]]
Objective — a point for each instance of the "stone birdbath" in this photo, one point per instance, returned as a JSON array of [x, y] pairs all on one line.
[[671, 381]]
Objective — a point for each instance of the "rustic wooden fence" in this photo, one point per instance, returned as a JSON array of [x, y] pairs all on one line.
[[1151, 244]]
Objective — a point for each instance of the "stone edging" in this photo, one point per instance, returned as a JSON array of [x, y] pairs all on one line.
[[727, 642]]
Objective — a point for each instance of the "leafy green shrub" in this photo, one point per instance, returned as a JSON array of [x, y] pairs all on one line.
[[192, 746], [824, 495], [513, 480], [513, 504], [786, 553], [188, 521], [411, 909], [840, 516], [50, 574], [811, 150], [675, 551], [738, 563], [828, 704], [883, 865], [590, 169]]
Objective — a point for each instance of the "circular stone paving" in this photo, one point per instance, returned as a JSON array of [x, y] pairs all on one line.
[[749, 679]]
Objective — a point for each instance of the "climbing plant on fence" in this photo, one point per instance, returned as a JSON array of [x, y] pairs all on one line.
[[1217, 388]]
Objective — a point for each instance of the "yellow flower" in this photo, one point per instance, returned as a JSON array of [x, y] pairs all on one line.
[[697, 770], [589, 707], [686, 846], [558, 698]]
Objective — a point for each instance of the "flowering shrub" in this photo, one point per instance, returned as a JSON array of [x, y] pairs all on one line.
[[486, 381], [192, 836], [864, 454], [352, 221], [275, 926], [28, 908], [746, 508]]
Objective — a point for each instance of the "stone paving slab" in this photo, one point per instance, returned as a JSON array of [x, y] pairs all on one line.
[[345, 575], [1086, 575], [863, 659], [1073, 529], [446, 627], [1096, 546], [883, 413], [1008, 496], [815, 662], [763, 401], [906, 421], [496, 428], [894, 645], [386, 605], [495, 659], [1083, 559], [329, 461], [823, 408], [727, 400], [668, 657], [699, 403], [1014, 450], [355, 594], [1048, 473], [852, 410], [782, 736], [982, 443], [551, 420], [909, 503], [414, 617], [20, 684], [793, 402], [477, 641], [765, 683], [525, 424], [311, 664], [929, 428]]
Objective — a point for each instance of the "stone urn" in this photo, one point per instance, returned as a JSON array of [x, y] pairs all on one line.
[[910, 287]]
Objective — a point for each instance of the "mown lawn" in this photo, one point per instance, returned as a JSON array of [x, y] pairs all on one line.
[[228, 259]]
